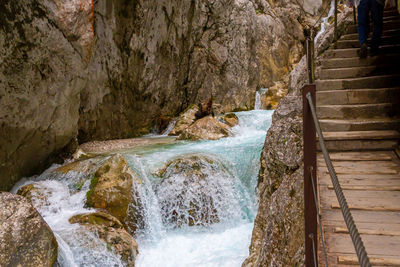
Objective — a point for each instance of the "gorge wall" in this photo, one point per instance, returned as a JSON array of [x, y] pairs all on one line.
[[73, 71]]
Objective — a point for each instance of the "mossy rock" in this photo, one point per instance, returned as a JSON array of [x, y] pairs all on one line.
[[112, 188]]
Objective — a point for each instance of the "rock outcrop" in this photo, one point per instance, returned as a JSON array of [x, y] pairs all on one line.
[[185, 119], [84, 70], [207, 128], [111, 189], [111, 231], [278, 234], [25, 238]]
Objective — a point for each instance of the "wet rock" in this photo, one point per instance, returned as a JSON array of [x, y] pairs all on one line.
[[185, 119], [207, 128], [25, 238], [190, 190], [36, 193], [112, 189], [230, 119], [111, 230]]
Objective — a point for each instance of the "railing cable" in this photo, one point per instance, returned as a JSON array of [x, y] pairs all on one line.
[[348, 218]]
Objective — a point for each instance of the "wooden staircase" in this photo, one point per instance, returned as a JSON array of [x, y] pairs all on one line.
[[358, 104]]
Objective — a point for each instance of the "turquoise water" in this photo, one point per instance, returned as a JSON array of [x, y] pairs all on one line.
[[229, 182]]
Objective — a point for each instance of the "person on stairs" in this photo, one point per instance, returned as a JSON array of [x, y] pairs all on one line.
[[364, 8]]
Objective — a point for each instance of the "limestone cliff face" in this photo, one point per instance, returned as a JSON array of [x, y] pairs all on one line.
[[278, 234], [42, 72], [83, 70]]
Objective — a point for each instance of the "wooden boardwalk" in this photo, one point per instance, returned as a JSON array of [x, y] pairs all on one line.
[[358, 106], [371, 184]]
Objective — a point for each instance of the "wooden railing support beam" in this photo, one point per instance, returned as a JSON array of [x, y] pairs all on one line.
[[310, 160]]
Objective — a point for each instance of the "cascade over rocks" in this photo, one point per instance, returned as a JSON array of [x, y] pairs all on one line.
[[113, 188], [25, 238], [95, 70], [191, 190], [111, 231]]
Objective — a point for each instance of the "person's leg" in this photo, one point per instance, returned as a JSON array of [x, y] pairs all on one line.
[[363, 20], [377, 18]]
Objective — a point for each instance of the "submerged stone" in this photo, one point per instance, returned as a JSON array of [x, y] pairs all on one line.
[[191, 191], [25, 238], [111, 231]]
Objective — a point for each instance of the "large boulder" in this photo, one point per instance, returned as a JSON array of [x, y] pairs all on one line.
[[207, 128], [111, 231], [25, 238], [112, 189], [185, 119], [192, 189]]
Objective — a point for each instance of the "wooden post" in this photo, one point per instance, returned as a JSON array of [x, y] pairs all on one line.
[[355, 15], [310, 160]]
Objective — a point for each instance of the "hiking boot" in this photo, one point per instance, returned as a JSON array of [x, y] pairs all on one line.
[[373, 52], [363, 52]]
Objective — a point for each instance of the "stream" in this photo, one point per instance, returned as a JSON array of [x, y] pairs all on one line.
[[230, 167]]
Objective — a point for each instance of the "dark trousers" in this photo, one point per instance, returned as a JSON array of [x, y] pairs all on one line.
[[376, 9]]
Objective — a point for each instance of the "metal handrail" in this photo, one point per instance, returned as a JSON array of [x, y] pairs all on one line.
[[348, 218]]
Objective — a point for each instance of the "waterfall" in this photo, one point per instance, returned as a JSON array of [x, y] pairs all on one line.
[[198, 201], [324, 21], [259, 94], [169, 128]]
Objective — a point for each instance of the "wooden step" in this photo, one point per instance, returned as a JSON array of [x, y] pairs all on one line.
[[363, 216], [374, 260], [358, 96], [335, 125], [360, 156], [357, 111], [385, 40], [352, 52], [360, 140], [354, 72], [365, 135], [387, 25], [391, 12], [383, 59], [354, 36], [358, 83]]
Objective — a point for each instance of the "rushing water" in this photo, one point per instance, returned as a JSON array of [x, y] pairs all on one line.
[[229, 183]]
